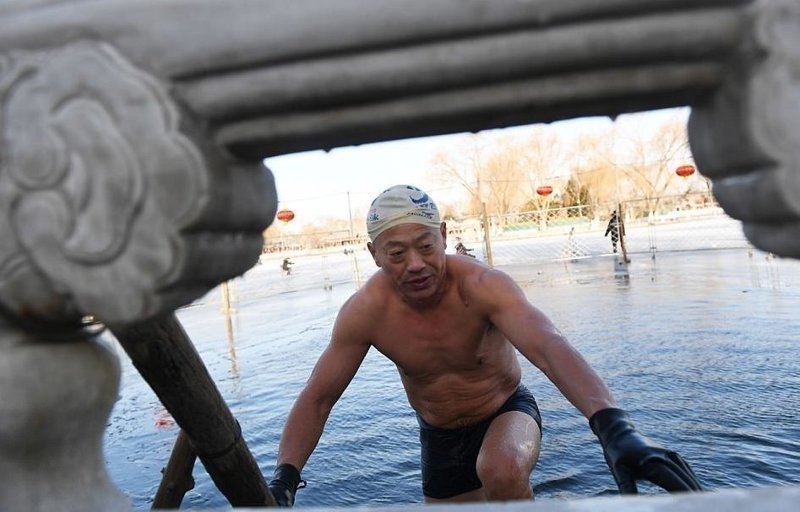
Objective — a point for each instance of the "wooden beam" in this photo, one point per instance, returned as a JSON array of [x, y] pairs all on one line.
[[177, 479], [165, 357]]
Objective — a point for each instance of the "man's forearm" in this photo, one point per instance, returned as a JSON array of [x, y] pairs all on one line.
[[576, 380], [301, 433]]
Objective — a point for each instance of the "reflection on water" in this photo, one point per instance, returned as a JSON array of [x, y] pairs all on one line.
[[700, 347], [229, 311], [764, 264], [231, 345]]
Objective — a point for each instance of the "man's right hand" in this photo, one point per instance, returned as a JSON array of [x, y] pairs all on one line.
[[632, 456], [284, 484]]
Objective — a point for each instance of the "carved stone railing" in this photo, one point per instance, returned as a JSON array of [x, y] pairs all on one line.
[[132, 134]]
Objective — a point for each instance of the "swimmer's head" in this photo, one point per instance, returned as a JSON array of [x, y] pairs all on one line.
[[401, 204]]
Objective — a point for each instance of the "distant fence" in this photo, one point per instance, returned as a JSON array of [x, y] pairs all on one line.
[[673, 223], [518, 240]]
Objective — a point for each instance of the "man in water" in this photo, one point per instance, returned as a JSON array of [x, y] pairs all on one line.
[[453, 326]]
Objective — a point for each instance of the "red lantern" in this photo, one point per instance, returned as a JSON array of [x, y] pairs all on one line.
[[285, 215], [684, 171], [544, 190]]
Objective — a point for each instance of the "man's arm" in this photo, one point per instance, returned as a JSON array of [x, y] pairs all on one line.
[[536, 338], [630, 456], [332, 374]]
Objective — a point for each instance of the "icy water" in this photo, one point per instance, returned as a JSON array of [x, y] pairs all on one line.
[[702, 348]]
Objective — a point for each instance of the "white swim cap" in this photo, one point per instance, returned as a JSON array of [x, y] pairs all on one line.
[[401, 204]]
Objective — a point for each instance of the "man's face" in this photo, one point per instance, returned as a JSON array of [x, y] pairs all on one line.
[[413, 256]]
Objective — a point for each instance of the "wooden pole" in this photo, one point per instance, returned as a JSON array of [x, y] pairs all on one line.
[[226, 298], [621, 230], [487, 239], [165, 357], [177, 479]]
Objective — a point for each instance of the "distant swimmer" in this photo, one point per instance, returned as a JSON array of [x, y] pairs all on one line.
[[462, 249], [454, 327]]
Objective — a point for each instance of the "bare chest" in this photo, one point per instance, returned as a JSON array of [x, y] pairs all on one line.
[[454, 339]]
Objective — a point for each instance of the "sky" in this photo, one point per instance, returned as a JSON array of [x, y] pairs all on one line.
[[342, 182], [316, 184]]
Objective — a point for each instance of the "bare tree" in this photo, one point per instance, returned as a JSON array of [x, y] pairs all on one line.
[[488, 168], [593, 166], [651, 159], [505, 165], [461, 165], [546, 159]]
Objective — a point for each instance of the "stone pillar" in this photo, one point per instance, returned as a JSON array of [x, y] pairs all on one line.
[[114, 203], [56, 393]]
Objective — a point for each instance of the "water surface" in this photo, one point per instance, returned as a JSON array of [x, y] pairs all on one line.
[[701, 348]]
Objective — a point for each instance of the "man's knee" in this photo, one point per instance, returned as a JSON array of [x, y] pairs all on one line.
[[505, 476]]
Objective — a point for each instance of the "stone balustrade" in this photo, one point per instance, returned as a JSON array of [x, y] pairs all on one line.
[[132, 134]]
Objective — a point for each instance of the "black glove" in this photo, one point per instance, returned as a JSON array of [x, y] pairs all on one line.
[[284, 484], [631, 456]]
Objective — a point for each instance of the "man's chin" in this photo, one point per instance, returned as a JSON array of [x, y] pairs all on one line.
[[422, 287], [420, 295]]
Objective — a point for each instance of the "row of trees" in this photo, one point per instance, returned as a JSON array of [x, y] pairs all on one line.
[[618, 163], [501, 170]]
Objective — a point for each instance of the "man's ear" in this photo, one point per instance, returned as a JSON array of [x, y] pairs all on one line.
[[371, 249], [443, 230]]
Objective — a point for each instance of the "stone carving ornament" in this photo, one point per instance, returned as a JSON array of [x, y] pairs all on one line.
[[115, 203], [746, 137], [107, 207]]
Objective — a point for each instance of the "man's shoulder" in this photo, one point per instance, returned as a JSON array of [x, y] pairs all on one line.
[[368, 296], [475, 279], [467, 273], [362, 315], [461, 268]]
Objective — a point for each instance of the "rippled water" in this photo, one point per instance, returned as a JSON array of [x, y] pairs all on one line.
[[702, 348]]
